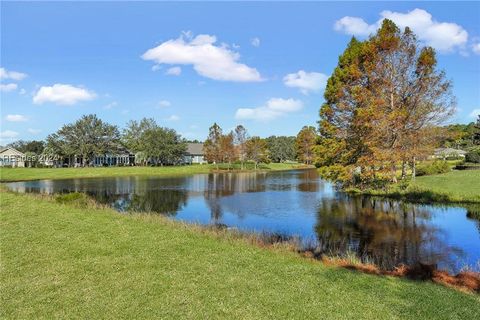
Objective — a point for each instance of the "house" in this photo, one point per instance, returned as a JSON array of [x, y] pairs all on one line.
[[194, 154], [11, 157], [444, 153]]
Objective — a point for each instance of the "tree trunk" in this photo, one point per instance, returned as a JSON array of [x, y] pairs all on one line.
[[414, 172], [394, 173], [404, 169]]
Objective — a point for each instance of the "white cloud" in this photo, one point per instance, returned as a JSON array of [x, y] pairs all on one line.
[[173, 117], [15, 118], [8, 87], [255, 42], [306, 81], [443, 36], [208, 60], [354, 26], [274, 108], [22, 91], [164, 104], [62, 94], [12, 75], [156, 67], [174, 71], [34, 131], [476, 48], [475, 113], [8, 134], [110, 105]]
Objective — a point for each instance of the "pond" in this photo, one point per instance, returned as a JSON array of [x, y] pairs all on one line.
[[295, 204]]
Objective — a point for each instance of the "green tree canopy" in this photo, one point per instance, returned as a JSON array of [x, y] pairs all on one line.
[[33, 146], [153, 143], [281, 148], [86, 137]]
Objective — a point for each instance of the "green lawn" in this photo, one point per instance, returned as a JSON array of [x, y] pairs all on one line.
[[64, 262], [460, 184], [20, 174], [457, 186]]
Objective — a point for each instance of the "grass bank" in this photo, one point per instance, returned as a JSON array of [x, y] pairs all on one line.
[[458, 186], [22, 174], [62, 261]]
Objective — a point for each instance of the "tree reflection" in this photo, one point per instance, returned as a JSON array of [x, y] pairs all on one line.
[[159, 201], [387, 233], [220, 185]]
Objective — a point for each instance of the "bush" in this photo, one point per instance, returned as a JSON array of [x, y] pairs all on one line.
[[472, 157], [75, 198], [435, 167]]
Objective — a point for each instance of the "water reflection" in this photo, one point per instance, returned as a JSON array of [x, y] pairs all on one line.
[[295, 203], [388, 232]]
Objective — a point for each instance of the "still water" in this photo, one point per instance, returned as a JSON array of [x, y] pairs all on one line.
[[297, 204]]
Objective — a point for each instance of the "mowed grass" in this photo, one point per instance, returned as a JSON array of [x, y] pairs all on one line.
[[59, 261], [458, 184], [22, 174]]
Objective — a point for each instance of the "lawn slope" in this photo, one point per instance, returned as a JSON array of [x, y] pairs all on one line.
[[453, 187], [459, 184], [61, 261]]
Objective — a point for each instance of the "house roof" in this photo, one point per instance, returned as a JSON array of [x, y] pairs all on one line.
[[195, 148], [449, 151], [11, 151]]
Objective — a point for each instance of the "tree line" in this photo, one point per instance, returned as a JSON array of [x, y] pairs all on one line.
[[238, 146], [90, 136], [152, 144]]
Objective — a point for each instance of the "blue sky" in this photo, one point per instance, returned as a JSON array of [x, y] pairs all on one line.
[[187, 65]]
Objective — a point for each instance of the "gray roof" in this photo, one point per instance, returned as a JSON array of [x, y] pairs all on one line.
[[195, 149], [12, 150]]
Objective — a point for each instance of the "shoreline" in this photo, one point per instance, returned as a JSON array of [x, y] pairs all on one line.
[[32, 174], [416, 196], [466, 281]]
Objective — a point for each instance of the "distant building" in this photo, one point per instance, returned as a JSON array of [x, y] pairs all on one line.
[[443, 153], [194, 154], [12, 157]]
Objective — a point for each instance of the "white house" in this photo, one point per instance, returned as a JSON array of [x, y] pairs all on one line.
[[11, 157], [443, 153], [194, 154]]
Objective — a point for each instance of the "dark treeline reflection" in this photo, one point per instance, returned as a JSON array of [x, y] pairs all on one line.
[[387, 233]]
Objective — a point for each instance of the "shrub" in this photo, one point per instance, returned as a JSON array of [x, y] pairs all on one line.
[[76, 198], [473, 157], [435, 167]]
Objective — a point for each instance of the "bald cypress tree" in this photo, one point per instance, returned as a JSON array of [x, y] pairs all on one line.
[[383, 103]]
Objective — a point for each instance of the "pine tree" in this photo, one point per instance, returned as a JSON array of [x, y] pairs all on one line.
[[211, 147], [305, 143]]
